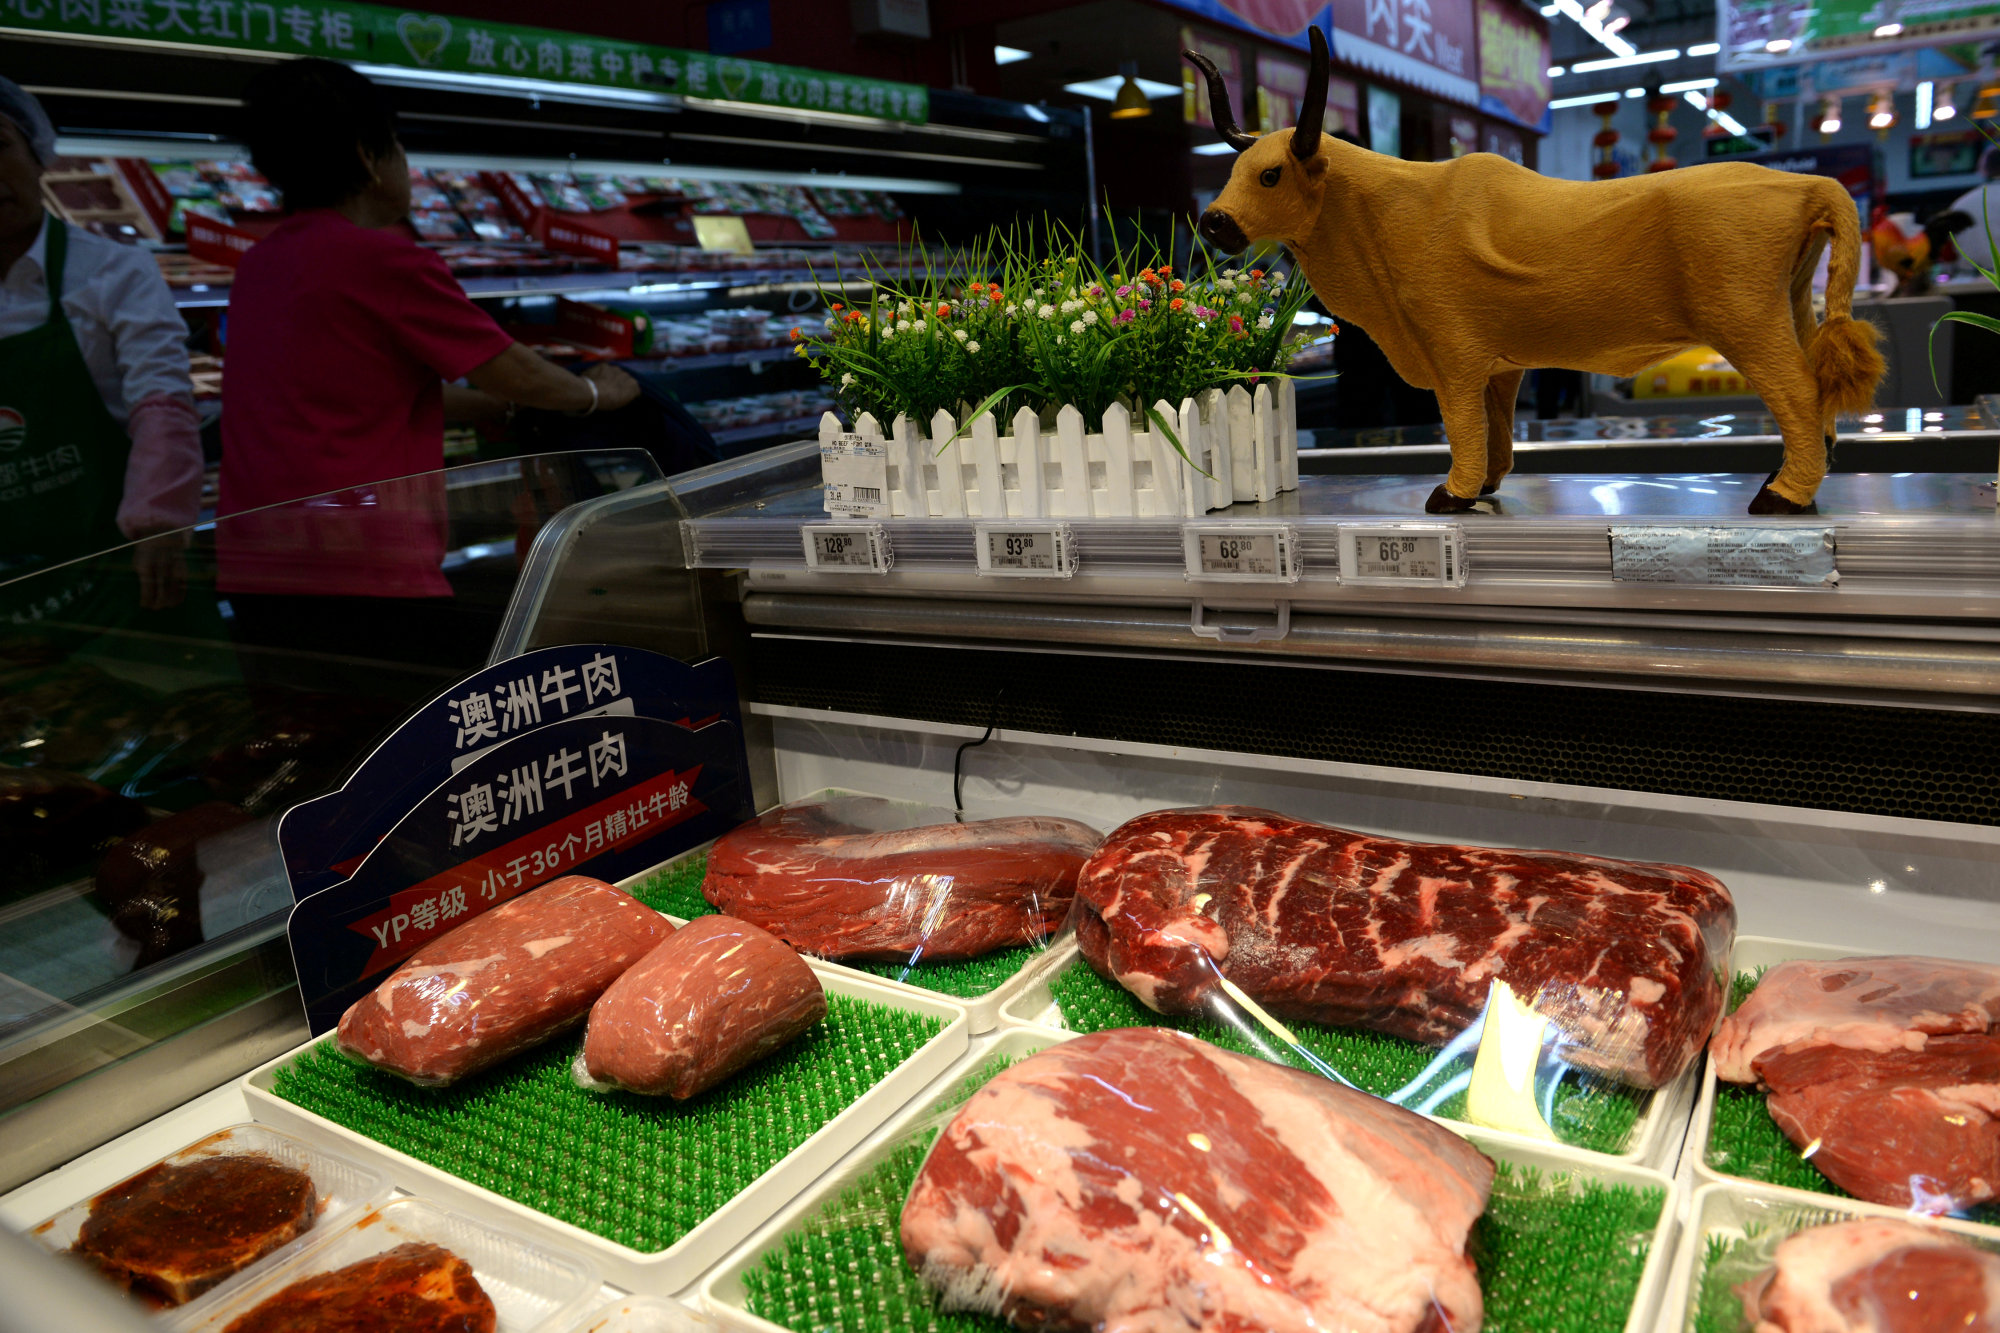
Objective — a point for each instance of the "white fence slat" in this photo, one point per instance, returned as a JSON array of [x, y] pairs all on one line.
[[948, 500], [982, 442], [829, 426], [1215, 421], [907, 496], [1264, 444], [1120, 499], [1030, 456], [1167, 465], [1242, 456], [1288, 421], [1075, 462]]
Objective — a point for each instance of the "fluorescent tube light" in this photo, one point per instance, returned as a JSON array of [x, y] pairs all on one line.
[[1926, 92], [1692, 85], [1106, 88], [1212, 149], [1620, 62], [1588, 99], [1008, 55]]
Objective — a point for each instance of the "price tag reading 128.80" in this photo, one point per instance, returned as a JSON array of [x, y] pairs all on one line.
[[1027, 551], [846, 548], [1242, 552]]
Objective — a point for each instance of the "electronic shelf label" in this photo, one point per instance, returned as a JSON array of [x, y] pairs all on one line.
[[1410, 555], [846, 548], [1025, 550], [1242, 552]]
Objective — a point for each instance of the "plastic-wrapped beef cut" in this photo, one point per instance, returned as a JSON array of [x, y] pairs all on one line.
[[415, 1288], [1876, 1276], [1347, 929], [506, 980], [1140, 1179], [175, 1230], [716, 997], [846, 879], [1891, 1003]]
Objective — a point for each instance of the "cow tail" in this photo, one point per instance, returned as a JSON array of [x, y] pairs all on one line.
[[1846, 364]]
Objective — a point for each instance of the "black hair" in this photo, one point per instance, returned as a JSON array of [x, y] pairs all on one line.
[[305, 119]]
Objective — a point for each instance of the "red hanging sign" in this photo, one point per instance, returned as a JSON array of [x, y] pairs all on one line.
[[217, 242], [594, 327], [564, 235]]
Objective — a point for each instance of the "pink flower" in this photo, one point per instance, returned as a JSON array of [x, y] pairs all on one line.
[[1125, 290], [1144, 304], [1125, 316], [1236, 323]]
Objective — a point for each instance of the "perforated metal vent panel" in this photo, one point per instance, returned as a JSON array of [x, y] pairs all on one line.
[[1886, 761]]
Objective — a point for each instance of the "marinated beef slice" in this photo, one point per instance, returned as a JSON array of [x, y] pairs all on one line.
[[1142, 1179], [414, 1288], [716, 997], [1327, 926], [826, 878], [175, 1230], [506, 980], [1876, 1276], [1892, 1003]]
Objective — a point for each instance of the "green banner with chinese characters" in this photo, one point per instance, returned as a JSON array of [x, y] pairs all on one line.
[[376, 34]]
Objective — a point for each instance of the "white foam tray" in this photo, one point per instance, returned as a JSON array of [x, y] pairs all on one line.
[[722, 1292], [983, 1011], [645, 1314], [670, 1270], [1655, 1138], [533, 1287], [1722, 1212], [342, 1186], [1752, 951]]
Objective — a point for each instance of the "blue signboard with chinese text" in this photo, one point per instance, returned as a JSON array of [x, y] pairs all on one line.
[[601, 796]]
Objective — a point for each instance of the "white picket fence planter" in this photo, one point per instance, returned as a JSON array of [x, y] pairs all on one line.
[[1247, 441]]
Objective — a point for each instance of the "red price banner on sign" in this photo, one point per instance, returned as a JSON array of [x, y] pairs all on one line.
[[217, 242], [565, 236], [594, 327]]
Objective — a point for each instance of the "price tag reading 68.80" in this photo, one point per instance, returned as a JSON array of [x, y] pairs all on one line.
[[1242, 552], [846, 548]]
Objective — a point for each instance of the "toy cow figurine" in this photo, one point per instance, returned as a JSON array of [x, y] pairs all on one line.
[[1471, 272]]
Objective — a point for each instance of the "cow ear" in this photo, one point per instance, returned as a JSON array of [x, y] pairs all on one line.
[[1314, 167]]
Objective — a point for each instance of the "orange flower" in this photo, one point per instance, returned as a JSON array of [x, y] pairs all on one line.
[[993, 294], [1177, 302], [944, 312], [1177, 285], [1166, 270], [1256, 272], [1147, 275], [838, 306], [795, 335]]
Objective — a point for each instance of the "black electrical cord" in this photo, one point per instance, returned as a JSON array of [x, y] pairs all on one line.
[[958, 758]]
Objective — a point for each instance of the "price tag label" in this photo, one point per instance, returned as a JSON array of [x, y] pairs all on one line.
[[1243, 552], [1732, 555], [854, 470], [1408, 554], [838, 548], [1013, 550]]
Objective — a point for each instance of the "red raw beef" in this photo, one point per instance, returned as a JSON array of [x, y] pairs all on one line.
[[1913, 1129], [1876, 1276], [508, 979], [718, 996], [1141, 1179], [838, 880], [1320, 924]]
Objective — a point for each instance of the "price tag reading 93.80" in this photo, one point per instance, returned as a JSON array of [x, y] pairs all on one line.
[[1028, 551], [1409, 554], [846, 548], [1242, 552]]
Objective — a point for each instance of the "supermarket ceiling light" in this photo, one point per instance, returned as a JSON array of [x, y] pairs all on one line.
[[1106, 88], [1777, 46], [1690, 86], [1604, 36], [505, 85], [1889, 30], [1010, 55], [1555, 71], [1635, 92], [1588, 99], [1925, 93], [1705, 48], [1212, 149], [1620, 62], [1722, 118]]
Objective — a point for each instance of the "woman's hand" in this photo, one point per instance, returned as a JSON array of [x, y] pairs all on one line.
[[161, 564], [615, 388], [520, 376]]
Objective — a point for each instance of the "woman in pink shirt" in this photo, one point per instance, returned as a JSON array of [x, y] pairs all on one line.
[[343, 333]]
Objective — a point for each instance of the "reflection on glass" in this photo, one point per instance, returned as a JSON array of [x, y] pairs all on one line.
[[146, 750]]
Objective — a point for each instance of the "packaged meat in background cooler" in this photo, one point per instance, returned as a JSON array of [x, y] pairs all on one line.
[[717, 996], [1141, 1178], [511, 978], [863, 879], [1209, 906], [1885, 1071], [1872, 1275]]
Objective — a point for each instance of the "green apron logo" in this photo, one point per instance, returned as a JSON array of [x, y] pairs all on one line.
[[13, 430], [425, 38]]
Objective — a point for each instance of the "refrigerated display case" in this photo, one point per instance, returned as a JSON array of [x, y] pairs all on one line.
[[1616, 664]]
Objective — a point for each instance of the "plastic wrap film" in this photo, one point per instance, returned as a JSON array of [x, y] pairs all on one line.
[[862, 879], [718, 995], [1140, 1183], [1883, 1073], [510, 978], [1784, 1268]]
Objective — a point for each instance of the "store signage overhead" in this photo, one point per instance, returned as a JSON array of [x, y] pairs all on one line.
[[606, 797], [1767, 32], [1514, 64], [381, 35], [1425, 43]]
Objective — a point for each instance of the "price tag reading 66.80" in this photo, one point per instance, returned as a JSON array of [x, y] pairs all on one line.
[[1409, 554], [846, 548], [1242, 552]]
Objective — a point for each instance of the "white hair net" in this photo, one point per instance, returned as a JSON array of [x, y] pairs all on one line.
[[19, 105]]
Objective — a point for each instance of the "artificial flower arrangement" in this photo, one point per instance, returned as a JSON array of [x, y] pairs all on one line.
[[1045, 385]]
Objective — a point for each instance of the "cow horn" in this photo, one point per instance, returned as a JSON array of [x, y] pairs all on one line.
[[1312, 110], [1218, 103]]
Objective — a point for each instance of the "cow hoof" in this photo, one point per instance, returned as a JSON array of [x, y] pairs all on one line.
[[1443, 501], [1768, 501], [1489, 488]]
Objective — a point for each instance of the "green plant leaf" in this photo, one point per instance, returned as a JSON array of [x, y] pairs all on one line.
[[974, 414]]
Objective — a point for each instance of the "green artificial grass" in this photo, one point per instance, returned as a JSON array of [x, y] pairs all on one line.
[[676, 890], [1590, 1112], [1552, 1259], [1744, 1141], [640, 1171], [1726, 1263]]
